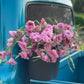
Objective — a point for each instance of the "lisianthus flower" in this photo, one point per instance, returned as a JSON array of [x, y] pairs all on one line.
[[53, 54], [61, 25], [29, 52], [9, 53], [30, 25], [24, 55], [23, 46], [12, 33], [47, 47], [62, 53], [54, 27], [68, 27], [74, 47], [68, 34], [45, 58], [75, 35], [58, 38], [19, 34], [46, 39], [43, 22], [3, 55], [66, 42], [10, 42], [11, 61], [33, 34], [37, 38], [25, 39], [38, 52], [28, 31], [38, 28]]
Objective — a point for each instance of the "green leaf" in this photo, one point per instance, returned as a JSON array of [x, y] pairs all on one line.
[[69, 65], [51, 42], [21, 28], [54, 37], [29, 47], [42, 50], [56, 21], [38, 43], [17, 56], [36, 57], [0, 61], [34, 60], [43, 26], [37, 22], [72, 62], [82, 47]]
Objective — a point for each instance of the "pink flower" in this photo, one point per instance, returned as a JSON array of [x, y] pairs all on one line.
[[62, 53], [68, 27], [47, 47], [33, 34], [68, 34], [80, 44], [30, 25], [9, 44], [38, 28], [9, 53], [75, 35], [24, 55], [10, 40], [23, 46], [74, 47], [37, 38], [54, 53], [45, 58], [66, 42], [47, 34], [25, 39], [11, 61], [19, 33], [3, 55], [60, 25], [74, 41], [58, 38], [28, 31], [29, 52], [12, 33], [54, 56], [33, 43], [46, 39], [54, 27], [38, 52], [43, 22]]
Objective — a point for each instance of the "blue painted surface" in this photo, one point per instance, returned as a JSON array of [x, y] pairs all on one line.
[[65, 2], [11, 19], [65, 76]]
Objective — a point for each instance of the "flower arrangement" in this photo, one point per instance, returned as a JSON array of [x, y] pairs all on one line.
[[49, 42]]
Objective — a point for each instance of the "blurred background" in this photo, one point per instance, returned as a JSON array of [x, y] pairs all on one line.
[[78, 6]]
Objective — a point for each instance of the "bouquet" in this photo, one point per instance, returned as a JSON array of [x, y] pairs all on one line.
[[49, 42]]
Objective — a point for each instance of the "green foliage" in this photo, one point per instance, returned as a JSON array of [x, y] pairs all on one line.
[[79, 20], [78, 5]]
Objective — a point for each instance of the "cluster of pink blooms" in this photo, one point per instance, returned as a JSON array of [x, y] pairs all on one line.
[[49, 42]]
